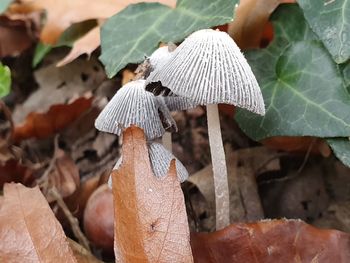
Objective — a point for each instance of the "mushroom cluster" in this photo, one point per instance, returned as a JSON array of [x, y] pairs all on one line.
[[133, 105], [208, 68]]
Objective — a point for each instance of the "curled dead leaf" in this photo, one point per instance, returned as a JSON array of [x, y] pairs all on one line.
[[85, 45], [61, 14], [250, 20], [12, 171], [270, 241], [29, 231], [150, 215], [64, 175], [42, 125], [298, 145]]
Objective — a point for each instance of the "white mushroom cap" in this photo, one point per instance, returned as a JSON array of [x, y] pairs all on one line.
[[209, 68], [160, 161], [176, 103], [159, 57], [132, 105]]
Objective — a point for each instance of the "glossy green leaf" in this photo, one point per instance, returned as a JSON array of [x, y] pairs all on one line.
[[346, 75], [5, 80], [303, 88], [330, 20], [4, 5], [135, 32], [341, 149]]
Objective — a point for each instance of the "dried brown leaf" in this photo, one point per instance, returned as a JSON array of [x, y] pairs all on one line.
[[61, 14], [150, 215], [42, 125], [244, 199], [298, 145], [250, 20], [13, 171], [64, 175], [16, 33], [85, 45], [271, 241], [29, 231]]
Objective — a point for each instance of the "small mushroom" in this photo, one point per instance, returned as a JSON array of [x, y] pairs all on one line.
[[208, 68], [160, 161], [174, 103], [132, 105]]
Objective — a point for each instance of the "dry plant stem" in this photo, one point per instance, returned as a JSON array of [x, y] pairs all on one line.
[[222, 198], [73, 221], [167, 141]]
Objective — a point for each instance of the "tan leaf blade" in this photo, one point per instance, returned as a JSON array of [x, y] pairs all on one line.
[[85, 45], [250, 20], [150, 216], [271, 241], [61, 14], [29, 231]]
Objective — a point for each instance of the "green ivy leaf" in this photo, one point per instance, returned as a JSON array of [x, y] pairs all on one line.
[[5, 80], [135, 32], [303, 88], [4, 5], [330, 20], [346, 75], [341, 149]]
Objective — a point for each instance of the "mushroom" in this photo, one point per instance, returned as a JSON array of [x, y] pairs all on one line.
[[132, 105], [160, 160], [208, 68], [174, 103]]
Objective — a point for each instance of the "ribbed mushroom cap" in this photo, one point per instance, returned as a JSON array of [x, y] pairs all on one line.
[[160, 160], [209, 68], [159, 57], [132, 105], [176, 103]]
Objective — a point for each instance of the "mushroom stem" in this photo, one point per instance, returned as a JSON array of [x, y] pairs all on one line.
[[222, 199], [167, 141]]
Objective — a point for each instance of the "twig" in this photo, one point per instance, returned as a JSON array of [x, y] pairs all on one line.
[[43, 181], [74, 223], [307, 155]]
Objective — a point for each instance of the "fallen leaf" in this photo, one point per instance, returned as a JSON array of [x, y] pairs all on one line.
[[99, 218], [12, 171], [243, 166], [251, 17], [299, 194], [42, 125], [298, 145], [29, 231], [60, 86], [270, 241], [85, 45], [60, 15], [150, 215], [16, 33], [64, 175]]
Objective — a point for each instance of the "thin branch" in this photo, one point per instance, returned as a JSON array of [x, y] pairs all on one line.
[[73, 221]]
